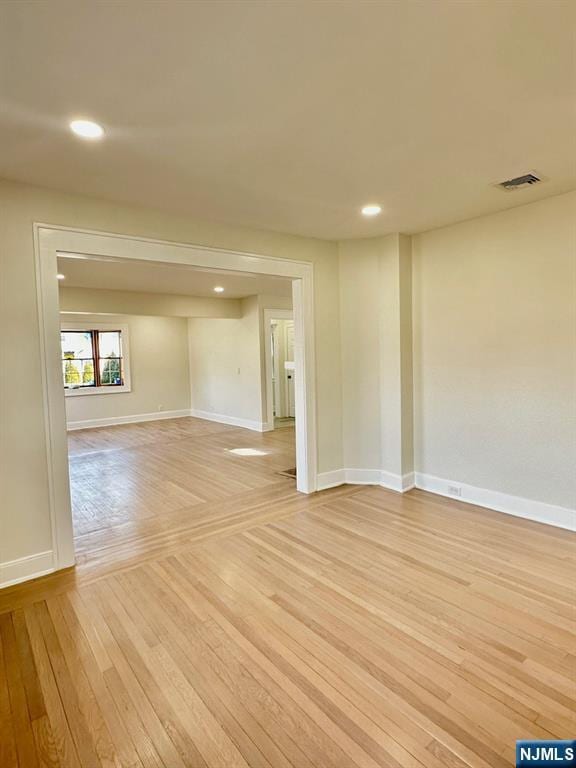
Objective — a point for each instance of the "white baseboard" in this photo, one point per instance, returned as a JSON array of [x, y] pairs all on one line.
[[362, 476], [561, 517], [399, 483], [330, 479], [138, 417], [408, 481], [255, 426], [539, 511], [26, 568]]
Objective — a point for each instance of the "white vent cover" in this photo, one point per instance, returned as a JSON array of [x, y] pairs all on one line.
[[520, 182]]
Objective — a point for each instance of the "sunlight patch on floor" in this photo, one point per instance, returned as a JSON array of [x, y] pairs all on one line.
[[247, 452]]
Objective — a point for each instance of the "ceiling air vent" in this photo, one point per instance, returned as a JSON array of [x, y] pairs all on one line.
[[527, 180]]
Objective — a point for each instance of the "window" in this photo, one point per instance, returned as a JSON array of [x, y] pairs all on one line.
[[94, 360]]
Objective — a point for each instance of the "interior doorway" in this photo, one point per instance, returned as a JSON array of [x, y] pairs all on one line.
[[282, 369], [54, 241]]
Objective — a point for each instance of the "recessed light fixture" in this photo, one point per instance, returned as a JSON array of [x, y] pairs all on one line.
[[61, 276], [218, 289], [371, 210], [87, 129]]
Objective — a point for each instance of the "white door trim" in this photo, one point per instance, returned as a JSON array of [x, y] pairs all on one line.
[[49, 240], [269, 315]]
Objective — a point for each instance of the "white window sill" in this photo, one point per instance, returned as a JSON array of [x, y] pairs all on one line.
[[111, 390]]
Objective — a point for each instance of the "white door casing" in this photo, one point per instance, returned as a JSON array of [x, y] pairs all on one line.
[[49, 240]]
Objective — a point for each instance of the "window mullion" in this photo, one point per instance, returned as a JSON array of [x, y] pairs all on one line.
[[96, 351]]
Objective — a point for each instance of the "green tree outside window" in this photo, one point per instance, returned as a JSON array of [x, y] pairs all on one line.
[[71, 370], [88, 373], [111, 372]]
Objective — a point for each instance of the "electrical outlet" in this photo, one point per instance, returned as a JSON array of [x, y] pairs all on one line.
[[455, 490], [160, 407]]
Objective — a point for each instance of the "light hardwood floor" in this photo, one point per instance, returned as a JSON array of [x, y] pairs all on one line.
[[218, 618]]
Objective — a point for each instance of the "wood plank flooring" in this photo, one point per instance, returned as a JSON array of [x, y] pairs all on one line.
[[218, 618]]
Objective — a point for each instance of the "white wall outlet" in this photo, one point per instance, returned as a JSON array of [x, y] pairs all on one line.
[[160, 407], [455, 490]]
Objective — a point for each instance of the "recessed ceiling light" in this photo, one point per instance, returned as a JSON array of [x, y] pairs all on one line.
[[61, 277], [218, 289], [87, 129], [371, 210]]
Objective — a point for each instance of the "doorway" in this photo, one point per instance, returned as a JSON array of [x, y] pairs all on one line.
[[280, 368], [51, 241]]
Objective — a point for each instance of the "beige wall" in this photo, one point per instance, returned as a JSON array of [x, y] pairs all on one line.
[[138, 303], [375, 300], [491, 352], [494, 351], [225, 372], [25, 524], [159, 370], [360, 294]]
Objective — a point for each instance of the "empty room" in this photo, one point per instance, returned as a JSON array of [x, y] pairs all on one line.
[[287, 384], [164, 375]]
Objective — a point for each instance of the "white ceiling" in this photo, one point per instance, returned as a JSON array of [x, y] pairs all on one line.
[[154, 277], [291, 115]]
